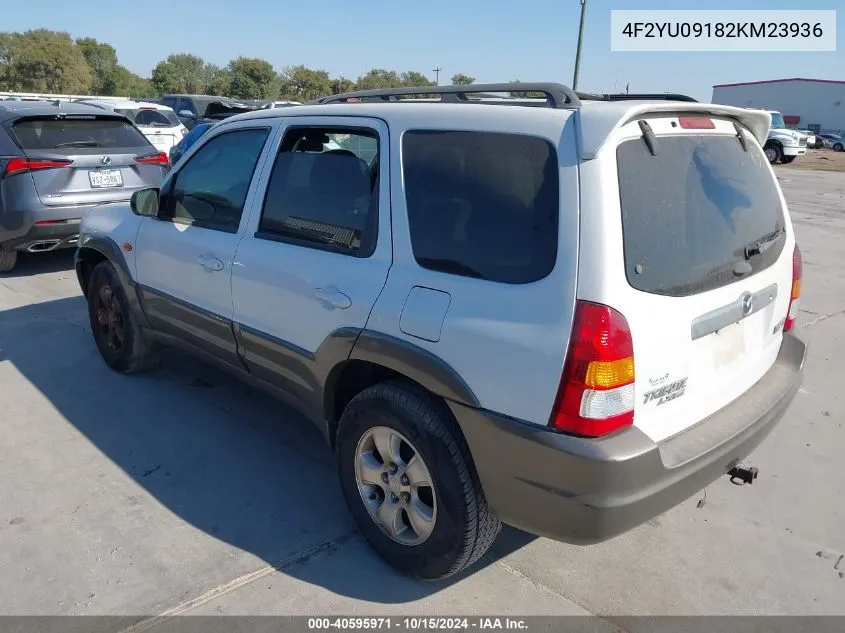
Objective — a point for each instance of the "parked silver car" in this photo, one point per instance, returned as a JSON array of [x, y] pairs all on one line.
[[57, 161]]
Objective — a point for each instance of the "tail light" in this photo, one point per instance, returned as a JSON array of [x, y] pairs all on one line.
[[19, 165], [696, 123], [159, 158], [596, 392], [797, 273]]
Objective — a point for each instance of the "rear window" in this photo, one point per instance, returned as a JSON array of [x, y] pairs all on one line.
[[482, 204], [51, 134], [151, 117], [689, 212]]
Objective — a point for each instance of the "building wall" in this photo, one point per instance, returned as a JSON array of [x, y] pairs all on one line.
[[817, 103]]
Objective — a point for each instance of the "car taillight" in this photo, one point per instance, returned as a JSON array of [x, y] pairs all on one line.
[[22, 165], [797, 273], [596, 392], [159, 158]]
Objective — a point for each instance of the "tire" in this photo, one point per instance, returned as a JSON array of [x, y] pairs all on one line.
[[787, 159], [838, 147], [8, 259], [773, 152], [122, 342], [462, 525]]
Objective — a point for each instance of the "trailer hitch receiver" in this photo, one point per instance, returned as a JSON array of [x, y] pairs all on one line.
[[741, 474]]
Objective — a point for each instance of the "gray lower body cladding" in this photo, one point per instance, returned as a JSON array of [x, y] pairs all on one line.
[[585, 491]]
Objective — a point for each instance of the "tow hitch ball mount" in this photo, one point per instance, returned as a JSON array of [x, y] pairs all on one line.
[[742, 474]]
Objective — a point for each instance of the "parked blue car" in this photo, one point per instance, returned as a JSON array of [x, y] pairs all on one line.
[[178, 150]]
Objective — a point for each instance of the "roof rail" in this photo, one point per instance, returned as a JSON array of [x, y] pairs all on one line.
[[556, 95], [624, 96]]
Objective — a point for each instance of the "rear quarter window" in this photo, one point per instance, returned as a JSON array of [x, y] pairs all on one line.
[[69, 134], [482, 204], [689, 212]]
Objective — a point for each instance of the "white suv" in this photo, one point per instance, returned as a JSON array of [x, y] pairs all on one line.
[[566, 313], [157, 122]]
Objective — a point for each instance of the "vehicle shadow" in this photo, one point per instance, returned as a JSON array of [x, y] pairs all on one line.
[[224, 458], [30, 264]]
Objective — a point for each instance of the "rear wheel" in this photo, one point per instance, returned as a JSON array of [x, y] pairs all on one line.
[[122, 342], [787, 159], [838, 147], [773, 152], [408, 479], [8, 259]]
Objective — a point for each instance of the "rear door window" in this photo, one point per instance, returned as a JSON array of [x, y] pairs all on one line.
[[694, 212], [482, 204], [67, 134]]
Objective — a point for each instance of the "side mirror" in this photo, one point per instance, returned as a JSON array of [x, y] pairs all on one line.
[[187, 114], [145, 202]]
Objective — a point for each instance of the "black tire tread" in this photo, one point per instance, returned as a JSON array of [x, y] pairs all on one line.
[[482, 525], [8, 259], [143, 354]]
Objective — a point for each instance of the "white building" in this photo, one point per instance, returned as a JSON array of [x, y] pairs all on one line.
[[806, 104]]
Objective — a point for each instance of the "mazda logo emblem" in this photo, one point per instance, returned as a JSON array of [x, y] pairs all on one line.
[[747, 304], [105, 160]]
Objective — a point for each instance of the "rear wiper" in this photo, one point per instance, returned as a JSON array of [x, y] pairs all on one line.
[[77, 144], [759, 246]]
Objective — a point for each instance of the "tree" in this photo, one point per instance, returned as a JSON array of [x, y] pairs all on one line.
[[380, 78], [128, 84], [300, 83], [217, 80], [461, 79], [413, 79], [253, 78], [102, 59], [343, 85], [179, 73], [43, 61]]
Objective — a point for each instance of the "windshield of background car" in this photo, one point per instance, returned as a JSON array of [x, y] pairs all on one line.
[[689, 211], [777, 121]]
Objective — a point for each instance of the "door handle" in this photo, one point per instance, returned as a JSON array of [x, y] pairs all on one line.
[[332, 298], [210, 263]]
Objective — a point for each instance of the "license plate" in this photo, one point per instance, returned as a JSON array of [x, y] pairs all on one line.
[[106, 178], [161, 140]]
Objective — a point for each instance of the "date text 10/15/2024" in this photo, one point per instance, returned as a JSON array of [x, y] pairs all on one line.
[[416, 624]]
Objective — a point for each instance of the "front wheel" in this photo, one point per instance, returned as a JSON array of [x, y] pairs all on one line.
[[838, 147], [787, 159], [122, 342], [773, 152], [409, 481]]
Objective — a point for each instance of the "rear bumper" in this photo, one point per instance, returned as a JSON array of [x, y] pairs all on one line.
[[47, 237], [19, 229], [586, 491]]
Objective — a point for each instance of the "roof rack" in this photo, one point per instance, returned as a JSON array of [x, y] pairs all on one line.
[[624, 96], [556, 95]]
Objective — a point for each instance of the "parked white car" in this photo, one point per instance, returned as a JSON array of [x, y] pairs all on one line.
[[157, 122], [811, 138], [567, 314], [782, 144]]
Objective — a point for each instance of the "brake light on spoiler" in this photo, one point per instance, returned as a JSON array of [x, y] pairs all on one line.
[[596, 392], [20, 165]]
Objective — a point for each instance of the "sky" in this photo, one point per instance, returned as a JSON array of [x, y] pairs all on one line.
[[491, 40]]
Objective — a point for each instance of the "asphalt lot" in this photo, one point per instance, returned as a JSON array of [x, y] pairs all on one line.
[[181, 490]]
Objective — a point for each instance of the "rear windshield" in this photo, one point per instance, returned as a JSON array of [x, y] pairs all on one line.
[[482, 204], [151, 117], [689, 213], [52, 134]]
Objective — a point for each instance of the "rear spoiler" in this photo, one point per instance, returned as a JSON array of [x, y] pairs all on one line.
[[596, 124]]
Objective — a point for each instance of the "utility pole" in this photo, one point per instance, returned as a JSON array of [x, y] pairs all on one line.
[[436, 72], [580, 40]]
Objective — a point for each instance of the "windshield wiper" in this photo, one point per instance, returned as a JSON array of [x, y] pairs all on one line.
[[757, 247], [77, 144]]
